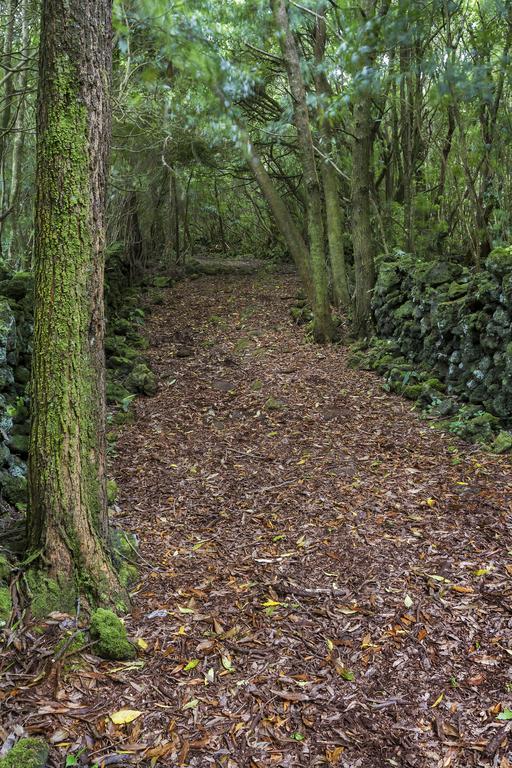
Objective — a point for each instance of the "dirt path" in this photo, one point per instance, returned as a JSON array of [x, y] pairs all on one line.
[[335, 574]]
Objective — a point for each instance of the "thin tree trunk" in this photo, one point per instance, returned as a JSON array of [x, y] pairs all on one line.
[[323, 327], [285, 223], [19, 134], [330, 179], [67, 520], [362, 235], [222, 235]]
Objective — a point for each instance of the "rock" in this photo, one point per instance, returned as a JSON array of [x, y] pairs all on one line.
[[499, 261], [442, 272], [19, 444], [13, 488], [184, 351], [17, 287], [502, 443], [142, 380], [7, 330], [22, 375], [117, 394]]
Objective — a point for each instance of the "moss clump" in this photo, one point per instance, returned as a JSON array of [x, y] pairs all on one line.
[[502, 443], [142, 380], [5, 605], [412, 391], [109, 632], [48, 595], [273, 404], [27, 753]]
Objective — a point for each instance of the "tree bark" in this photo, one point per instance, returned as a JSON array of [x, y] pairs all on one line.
[[330, 179], [323, 328], [362, 235], [285, 223], [67, 520]]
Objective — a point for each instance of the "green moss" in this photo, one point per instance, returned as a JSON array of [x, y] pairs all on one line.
[[14, 488], [116, 393], [27, 753], [18, 286], [142, 379], [128, 574], [48, 595], [110, 635], [435, 384], [162, 281], [242, 345], [5, 605], [112, 491], [5, 568], [413, 391], [273, 404], [502, 443], [19, 444], [76, 644]]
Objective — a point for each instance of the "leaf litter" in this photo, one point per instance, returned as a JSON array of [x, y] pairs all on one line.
[[328, 587]]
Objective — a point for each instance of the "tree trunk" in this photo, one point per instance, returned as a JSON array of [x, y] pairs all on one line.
[[67, 521], [330, 180], [361, 205], [323, 328], [285, 223]]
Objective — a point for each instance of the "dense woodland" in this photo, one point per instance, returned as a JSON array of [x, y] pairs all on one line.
[[255, 383]]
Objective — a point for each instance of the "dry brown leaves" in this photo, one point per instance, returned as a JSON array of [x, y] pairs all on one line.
[[331, 577]]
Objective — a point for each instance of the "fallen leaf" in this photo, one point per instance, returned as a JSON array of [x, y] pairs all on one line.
[[124, 716]]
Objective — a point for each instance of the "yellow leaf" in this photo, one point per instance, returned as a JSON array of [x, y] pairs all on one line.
[[330, 645], [124, 716], [192, 664], [271, 603], [141, 643], [463, 590], [431, 502], [438, 700]]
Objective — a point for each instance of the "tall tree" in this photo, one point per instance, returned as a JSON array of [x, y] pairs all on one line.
[[323, 328], [67, 522]]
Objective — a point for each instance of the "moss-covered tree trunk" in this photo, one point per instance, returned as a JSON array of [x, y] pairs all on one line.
[[323, 327], [67, 521], [330, 179]]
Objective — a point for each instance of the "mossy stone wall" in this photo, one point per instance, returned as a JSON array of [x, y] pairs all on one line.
[[453, 321]]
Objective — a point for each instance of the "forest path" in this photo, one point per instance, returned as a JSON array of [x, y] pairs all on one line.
[[262, 463]]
